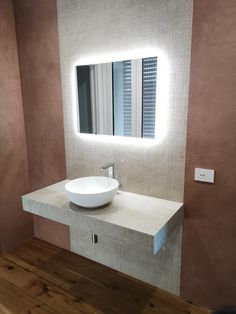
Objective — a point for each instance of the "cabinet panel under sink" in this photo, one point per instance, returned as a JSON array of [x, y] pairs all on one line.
[[159, 270]]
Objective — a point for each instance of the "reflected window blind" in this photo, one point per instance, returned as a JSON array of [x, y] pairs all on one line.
[[127, 98], [149, 82]]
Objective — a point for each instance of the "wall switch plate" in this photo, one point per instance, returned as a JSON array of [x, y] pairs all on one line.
[[204, 175]]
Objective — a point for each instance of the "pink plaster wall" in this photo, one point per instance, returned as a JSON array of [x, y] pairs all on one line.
[[15, 225], [38, 46], [209, 238]]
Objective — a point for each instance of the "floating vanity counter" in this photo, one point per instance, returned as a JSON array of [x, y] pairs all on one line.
[[131, 219]]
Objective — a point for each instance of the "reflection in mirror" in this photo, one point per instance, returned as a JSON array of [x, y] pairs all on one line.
[[118, 98]]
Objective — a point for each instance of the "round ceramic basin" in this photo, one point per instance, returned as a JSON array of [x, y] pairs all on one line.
[[91, 192]]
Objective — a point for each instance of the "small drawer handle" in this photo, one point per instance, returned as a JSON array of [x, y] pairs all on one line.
[[94, 238]]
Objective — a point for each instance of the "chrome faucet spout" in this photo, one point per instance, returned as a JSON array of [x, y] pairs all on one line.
[[110, 167]]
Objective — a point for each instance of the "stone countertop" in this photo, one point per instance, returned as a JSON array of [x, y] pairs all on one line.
[[149, 219]]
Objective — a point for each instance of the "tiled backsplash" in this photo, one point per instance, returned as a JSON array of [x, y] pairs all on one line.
[[99, 28]]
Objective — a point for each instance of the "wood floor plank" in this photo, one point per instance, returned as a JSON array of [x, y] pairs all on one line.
[[42, 290], [69, 264], [15, 301], [14, 273], [59, 274], [86, 296], [69, 283], [33, 253]]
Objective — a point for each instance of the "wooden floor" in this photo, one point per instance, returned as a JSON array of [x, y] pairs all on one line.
[[38, 277]]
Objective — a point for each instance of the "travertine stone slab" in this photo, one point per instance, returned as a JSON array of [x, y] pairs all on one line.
[[133, 219]]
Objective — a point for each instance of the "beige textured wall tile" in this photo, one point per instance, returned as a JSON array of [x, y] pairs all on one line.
[[93, 28]]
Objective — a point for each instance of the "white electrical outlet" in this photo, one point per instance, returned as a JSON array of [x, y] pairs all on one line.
[[204, 175]]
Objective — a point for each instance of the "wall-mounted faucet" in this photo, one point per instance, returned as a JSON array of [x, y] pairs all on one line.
[[110, 167]]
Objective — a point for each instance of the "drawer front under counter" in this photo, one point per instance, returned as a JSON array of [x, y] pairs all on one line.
[[107, 250], [107, 233]]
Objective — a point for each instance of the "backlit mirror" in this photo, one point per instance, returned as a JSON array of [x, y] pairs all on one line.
[[118, 98]]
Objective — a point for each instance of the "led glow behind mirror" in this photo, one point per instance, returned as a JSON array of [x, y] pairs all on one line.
[[126, 98]]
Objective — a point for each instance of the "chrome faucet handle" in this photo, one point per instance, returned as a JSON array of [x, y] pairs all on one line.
[[110, 167]]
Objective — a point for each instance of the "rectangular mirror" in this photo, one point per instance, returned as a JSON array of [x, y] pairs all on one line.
[[118, 98]]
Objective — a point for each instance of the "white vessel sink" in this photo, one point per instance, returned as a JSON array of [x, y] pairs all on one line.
[[91, 192]]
